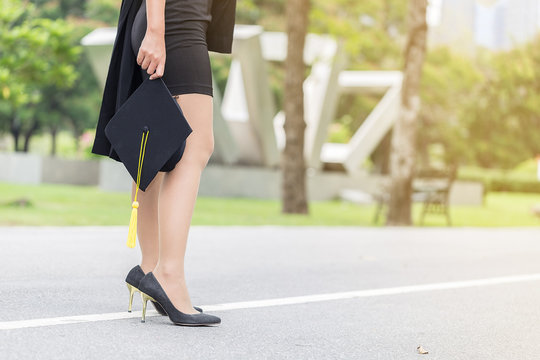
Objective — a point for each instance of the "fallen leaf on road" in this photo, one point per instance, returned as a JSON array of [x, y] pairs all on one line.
[[421, 350]]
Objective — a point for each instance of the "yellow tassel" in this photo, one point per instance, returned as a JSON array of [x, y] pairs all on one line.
[[132, 232]]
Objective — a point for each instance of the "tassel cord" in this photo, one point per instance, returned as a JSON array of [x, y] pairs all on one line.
[[132, 232]]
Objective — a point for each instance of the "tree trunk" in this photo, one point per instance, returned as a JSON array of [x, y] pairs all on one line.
[[293, 161], [54, 132], [381, 156], [15, 134], [28, 134], [15, 130], [402, 161]]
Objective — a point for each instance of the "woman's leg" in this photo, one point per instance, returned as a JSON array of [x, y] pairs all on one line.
[[177, 199], [147, 222]]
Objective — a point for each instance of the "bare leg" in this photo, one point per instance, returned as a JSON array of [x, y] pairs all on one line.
[[177, 199], [147, 222]]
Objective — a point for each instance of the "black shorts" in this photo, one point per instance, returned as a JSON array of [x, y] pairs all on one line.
[[187, 62]]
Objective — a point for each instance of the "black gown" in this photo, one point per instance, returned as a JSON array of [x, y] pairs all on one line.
[[188, 25]]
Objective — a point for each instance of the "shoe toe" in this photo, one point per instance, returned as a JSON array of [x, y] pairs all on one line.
[[205, 319]]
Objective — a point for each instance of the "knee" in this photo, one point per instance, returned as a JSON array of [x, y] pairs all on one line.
[[208, 150], [203, 151]]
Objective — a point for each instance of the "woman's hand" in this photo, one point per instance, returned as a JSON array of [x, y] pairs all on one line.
[[151, 56]]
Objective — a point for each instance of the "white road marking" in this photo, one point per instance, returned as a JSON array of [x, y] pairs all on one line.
[[63, 320], [20, 324]]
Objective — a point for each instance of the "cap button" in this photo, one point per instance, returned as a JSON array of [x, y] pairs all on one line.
[[145, 128]]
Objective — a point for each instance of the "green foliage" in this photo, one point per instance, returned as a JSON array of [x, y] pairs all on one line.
[[45, 82], [516, 186], [373, 30], [247, 12], [449, 82], [35, 53], [485, 111], [59, 9], [506, 116], [527, 168], [339, 132], [521, 179], [267, 13], [106, 11]]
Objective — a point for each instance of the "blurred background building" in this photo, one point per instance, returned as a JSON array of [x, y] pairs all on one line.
[[494, 24]]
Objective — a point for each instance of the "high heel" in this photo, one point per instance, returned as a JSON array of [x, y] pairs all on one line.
[[151, 290], [133, 279], [132, 290], [145, 298]]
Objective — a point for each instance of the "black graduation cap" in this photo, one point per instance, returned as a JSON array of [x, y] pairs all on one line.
[[145, 132], [150, 112]]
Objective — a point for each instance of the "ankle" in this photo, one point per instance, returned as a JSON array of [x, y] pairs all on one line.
[[168, 272], [148, 266]]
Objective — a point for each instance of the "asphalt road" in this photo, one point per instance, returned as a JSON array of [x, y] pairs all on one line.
[[387, 291]]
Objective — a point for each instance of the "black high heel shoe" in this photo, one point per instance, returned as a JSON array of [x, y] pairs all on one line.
[[151, 290], [132, 281]]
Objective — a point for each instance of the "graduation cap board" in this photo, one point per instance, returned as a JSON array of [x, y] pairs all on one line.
[[147, 130]]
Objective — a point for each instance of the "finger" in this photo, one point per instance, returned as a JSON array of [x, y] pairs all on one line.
[[140, 57], [145, 62], [160, 69], [152, 67]]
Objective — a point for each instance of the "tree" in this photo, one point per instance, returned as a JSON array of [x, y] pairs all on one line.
[[449, 92], [503, 122], [372, 30], [403, 154], [34, 53], [293, 160], [483, 111]]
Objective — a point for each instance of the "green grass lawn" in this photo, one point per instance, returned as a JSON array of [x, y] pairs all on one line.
[[80, 205]]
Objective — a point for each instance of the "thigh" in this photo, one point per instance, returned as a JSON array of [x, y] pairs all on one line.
[[152, 189], [198, 110]]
